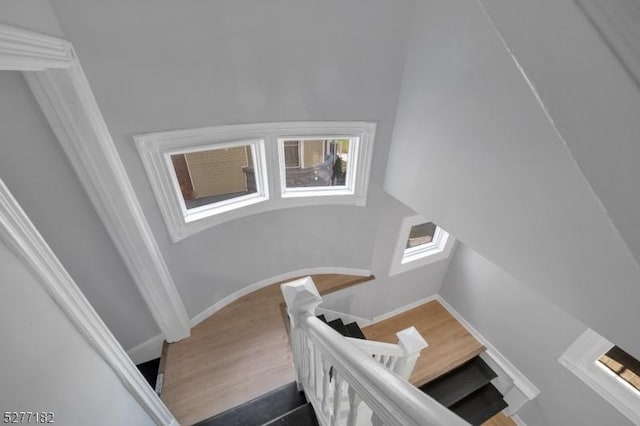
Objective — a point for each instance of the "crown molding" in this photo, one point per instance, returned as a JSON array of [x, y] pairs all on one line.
[[63, 92], [21, 236], [24, 50]]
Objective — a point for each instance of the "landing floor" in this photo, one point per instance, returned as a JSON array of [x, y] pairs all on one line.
[[235, 355], [450, 344]]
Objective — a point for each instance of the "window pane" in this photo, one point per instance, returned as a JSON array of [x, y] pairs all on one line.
[[624, 365], [208, 177], [316, 162], [421, 234]]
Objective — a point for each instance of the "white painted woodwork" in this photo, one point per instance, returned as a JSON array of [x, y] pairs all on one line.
[[155, 149], [391, 399], [63, 92], [19, 234], [24, 50]]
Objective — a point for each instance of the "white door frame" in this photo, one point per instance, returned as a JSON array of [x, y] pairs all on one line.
[[55, 76]]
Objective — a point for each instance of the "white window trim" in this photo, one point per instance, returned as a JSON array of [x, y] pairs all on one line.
[[154, 147], [319, 191], [201, 212], [438, 249], [581, 358]]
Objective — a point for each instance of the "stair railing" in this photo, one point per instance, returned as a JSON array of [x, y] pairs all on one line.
[[400, 357], [344, 383]]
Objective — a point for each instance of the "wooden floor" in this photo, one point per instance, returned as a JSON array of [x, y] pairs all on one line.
[[235, 355], [242, 351], [450, 344], [499, 420]]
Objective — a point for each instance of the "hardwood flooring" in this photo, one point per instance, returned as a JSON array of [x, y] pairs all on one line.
[[235, 355], [499, 420], [242, 351], [450, 344]]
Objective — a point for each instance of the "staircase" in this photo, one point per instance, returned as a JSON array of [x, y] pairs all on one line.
[[285, 406], [468, 392], [347, 330]]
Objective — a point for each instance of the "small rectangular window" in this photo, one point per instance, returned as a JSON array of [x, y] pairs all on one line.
[[214, 179], [425, 239], [623, 365], [318, 165]]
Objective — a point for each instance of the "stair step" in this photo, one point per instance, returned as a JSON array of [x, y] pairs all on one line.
[[481, 405], [322, 318], [457, 384], [260, 410], [301, 416], [338, 326], [150, 370], [354, 331]]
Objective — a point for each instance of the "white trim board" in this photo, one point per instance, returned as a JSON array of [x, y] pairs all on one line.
[[404, 308], [21, 236], [261, 284], [155, 149], [525, 386], [518, 421], [581, 359], [63, 92], [152, 348], [147, 350]]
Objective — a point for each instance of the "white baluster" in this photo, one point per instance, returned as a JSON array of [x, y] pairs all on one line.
[[325, 385], [382, 359], [411, 343], [319, 373], [337, 396], [354, 402]]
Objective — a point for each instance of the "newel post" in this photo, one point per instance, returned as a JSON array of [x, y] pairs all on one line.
[[411, 343], [302, 298]]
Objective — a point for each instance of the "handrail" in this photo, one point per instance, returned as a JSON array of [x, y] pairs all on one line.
[[337, 376], [373, 347]]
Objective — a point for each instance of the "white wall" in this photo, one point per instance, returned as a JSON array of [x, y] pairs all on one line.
[[592, 99], [36, 171], [473, 150], [385, 293], [156, 66], [532, 333], [47, 365]]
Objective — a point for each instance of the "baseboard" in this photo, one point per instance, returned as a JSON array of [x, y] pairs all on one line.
[[404, 308], [147, 350], [517, 420], [261, 284], [347, 318], [527, 388]]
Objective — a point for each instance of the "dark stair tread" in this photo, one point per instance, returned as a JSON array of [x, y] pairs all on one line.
[[149, 370], [354, 331], [338, 326], [260, 410], [322, 318], [301, 416], [481, 405], [457, 384]]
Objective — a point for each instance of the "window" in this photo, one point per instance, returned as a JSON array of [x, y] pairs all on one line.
[[216, 179], [607, 369], [206, 176], [313, 166], [623, 365], [420, 242]]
